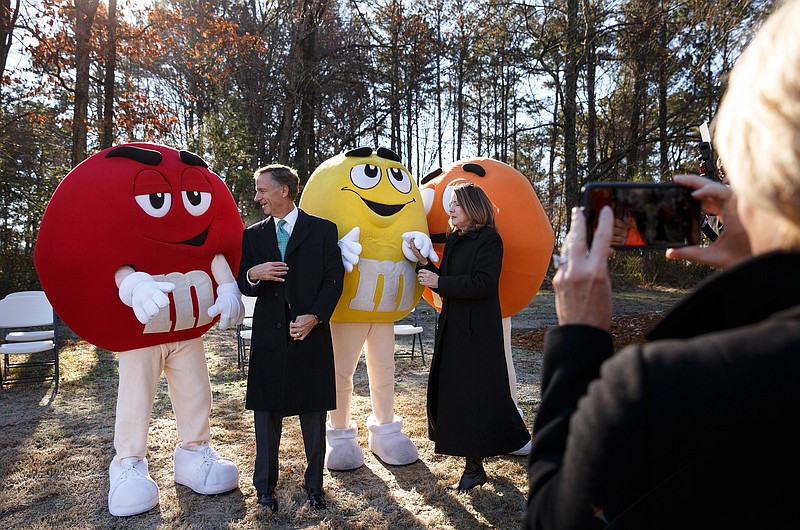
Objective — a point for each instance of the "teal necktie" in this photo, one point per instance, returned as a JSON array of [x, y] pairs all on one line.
[[283, 237]]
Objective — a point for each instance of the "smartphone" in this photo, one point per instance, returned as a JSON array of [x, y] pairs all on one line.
[[646, 215]]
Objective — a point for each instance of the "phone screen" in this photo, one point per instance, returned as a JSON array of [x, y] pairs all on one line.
[[646, 215]]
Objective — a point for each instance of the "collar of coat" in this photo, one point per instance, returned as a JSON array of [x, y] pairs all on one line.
[[746, 293]]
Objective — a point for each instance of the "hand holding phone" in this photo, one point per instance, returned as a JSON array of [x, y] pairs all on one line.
[[646, 215]]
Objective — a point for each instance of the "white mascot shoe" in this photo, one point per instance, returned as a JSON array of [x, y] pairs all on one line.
[[131, 490], [525, 450], [389, 444], [342, 452], [205, 471]]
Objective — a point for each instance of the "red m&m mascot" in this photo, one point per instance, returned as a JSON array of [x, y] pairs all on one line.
[[136, 252]]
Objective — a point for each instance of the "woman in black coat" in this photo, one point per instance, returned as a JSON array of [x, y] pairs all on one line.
[[697, 428], [470, 410]]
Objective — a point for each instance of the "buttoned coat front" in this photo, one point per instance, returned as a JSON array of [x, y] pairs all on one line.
[[288, 376], [470, 410]]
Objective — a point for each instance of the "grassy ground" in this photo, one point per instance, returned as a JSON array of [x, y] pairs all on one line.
[[55, 450]]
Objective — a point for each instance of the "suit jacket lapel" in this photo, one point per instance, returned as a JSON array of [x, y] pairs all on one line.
[[299, 232], [271, 239]]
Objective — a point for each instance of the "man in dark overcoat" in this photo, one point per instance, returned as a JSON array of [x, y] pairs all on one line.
[[292, 263]]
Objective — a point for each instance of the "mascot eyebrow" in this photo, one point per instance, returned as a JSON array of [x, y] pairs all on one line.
[[145, 156], [366, 151], [152, 157]]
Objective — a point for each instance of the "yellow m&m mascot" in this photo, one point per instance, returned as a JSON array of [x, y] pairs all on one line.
[[377, 208]]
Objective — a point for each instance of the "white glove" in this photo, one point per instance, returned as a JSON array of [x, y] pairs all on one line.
[[228, 305], [350, 248], [423, 242], [145, 295]]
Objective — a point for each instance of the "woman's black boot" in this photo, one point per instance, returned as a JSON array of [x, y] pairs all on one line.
[[473, 475]]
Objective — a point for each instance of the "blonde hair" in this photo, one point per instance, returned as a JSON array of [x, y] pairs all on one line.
[[476, 204], [757, 128]]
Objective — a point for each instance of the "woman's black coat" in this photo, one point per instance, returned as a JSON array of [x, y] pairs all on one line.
[[470, 410]]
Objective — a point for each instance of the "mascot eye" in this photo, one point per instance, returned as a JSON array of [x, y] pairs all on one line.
[[427, 198], [446, 196], [400, 179], [155, 204], [196, 202], [365, 176]]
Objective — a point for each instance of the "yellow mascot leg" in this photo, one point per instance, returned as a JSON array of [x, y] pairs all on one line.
[[342, 452], [385, 439]]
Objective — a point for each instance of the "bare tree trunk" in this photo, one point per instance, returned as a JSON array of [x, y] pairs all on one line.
[[591, 76], [85, 11], [308, 94], [571, 184], [663, 81], [8, 18], [107, 134]]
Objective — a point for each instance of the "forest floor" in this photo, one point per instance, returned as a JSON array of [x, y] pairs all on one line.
[[55, 450]]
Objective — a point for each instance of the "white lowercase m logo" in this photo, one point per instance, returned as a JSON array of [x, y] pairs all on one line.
[[187, 314]]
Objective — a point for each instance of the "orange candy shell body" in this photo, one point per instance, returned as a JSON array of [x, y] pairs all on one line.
[[527, 234]]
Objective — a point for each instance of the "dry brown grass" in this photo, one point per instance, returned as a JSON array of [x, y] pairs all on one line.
[[54, 452], [54, 456]]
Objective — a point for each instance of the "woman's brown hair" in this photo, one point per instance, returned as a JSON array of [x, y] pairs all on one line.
[[476, 204]]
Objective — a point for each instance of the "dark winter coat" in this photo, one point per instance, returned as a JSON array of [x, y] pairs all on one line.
[[696, 429], [470, 409], [288, 376]]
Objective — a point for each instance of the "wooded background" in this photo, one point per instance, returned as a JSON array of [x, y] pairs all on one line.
[[566, 91]]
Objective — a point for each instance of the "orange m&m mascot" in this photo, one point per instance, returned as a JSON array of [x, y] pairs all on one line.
[[522, 223]]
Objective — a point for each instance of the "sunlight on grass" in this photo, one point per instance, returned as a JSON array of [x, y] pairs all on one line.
[[54, 454]]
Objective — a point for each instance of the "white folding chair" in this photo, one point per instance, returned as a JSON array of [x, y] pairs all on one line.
[[29, 330], [244, 332], [415, 330]]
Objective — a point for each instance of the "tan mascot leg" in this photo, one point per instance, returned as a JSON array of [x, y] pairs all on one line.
[[131, 490], [386, 440], [512, 381]]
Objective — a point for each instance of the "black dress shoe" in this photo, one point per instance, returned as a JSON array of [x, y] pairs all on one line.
[[317, 500], [268, 501]]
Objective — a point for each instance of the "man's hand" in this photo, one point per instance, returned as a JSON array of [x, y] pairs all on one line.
[[272, 271], [301, 326]]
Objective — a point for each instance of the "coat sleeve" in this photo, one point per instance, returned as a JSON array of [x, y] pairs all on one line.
[[333, 274], [589, 432], [481, 281], [249, 259]]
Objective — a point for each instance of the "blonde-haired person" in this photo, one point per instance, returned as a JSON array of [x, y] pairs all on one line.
[[696, 428], [470, 409]]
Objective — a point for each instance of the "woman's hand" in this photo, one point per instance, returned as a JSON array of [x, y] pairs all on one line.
[[732, 244], [428, 278], [582, 285]]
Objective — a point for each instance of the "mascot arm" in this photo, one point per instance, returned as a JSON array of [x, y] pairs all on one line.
[[350, 248], [228, 304], [141, 292], [424, 245]]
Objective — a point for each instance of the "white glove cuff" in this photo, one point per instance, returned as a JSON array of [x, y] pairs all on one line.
[[228, 288]]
